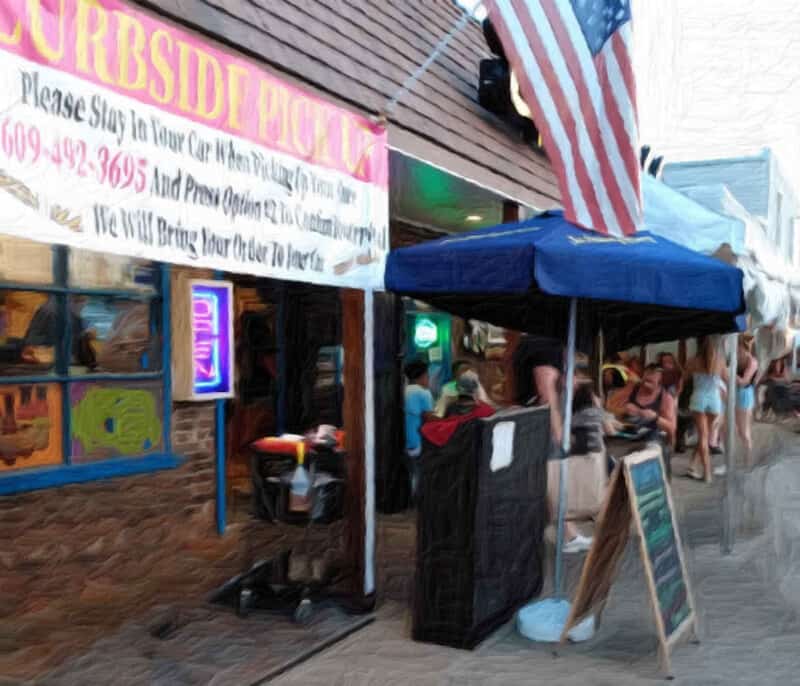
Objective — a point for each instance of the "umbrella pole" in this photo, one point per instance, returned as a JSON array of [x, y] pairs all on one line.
[[728, 511], [565, 446]]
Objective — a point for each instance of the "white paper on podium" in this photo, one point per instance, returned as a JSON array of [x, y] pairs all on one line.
[[502, 446]]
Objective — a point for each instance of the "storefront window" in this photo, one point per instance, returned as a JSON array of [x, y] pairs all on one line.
[[101, 270], [81, 364], [112, 419], [25, 262], [29, 330], [114, 334]]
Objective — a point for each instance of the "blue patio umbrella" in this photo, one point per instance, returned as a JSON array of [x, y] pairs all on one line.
[[641, 289], [542, 275]]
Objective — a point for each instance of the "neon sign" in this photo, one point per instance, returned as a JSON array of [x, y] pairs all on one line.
[[426, 333], [211, 340]]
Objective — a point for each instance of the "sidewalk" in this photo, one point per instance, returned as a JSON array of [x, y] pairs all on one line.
[[750, 631], [748, 610]]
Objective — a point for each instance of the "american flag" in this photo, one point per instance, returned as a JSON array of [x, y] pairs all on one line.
[[573, 62]]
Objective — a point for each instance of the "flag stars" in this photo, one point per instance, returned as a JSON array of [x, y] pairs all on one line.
[[599, 19]]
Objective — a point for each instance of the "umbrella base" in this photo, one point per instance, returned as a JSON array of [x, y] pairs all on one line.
[[544, 621]]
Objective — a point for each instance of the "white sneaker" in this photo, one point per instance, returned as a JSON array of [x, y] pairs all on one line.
[[579, 544], [720, 470]]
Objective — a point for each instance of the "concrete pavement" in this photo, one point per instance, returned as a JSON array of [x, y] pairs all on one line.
[[747, 606]]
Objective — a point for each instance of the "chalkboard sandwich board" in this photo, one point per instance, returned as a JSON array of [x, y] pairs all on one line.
[[639, 492]]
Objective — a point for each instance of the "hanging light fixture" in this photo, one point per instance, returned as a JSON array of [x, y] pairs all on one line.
[[498, 89]]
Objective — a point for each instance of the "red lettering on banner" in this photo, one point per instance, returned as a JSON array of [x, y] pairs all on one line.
[[127, 50]]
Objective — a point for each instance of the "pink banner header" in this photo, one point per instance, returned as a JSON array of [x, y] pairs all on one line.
[[128, 51]]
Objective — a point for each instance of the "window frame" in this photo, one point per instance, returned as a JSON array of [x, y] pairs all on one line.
[[49, 476]]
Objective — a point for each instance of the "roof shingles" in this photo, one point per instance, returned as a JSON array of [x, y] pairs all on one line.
[[361, 51]]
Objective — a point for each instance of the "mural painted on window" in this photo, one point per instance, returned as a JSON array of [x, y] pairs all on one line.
[[109, 420], [30, 428]]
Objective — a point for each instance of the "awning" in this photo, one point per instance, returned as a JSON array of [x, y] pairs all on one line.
[[642, 289], [708, 219]]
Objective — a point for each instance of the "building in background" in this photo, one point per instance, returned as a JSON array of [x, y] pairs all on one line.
[[758, 185]]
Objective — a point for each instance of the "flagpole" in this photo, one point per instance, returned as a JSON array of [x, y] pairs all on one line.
[[565, 445], [728, 504], [417, 74], [545, 619]]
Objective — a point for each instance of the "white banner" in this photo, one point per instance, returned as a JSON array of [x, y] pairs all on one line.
[[83, 166]]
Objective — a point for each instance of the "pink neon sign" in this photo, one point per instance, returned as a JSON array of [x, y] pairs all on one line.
[[211, 339]]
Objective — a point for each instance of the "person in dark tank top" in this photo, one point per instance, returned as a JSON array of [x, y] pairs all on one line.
[[651, 405]]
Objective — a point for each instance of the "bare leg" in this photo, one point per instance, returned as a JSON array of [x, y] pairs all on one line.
[[716, 430], [744, 424], [713, 435], [710, 419], [700, 452]]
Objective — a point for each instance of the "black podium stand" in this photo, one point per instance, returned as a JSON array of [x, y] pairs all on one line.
[[480, 532]]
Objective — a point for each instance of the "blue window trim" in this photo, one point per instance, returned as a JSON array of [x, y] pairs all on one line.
[[52, 476], [64, 290], [78, 378]]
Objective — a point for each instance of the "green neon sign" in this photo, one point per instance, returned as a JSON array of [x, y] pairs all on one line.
[[426, 333]]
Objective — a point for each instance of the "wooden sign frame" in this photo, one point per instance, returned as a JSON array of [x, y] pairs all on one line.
[[690, 621], [610, 542], [602, 562]]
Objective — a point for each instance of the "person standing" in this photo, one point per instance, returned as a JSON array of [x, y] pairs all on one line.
[[539, 363], [418, 409], [590, 424], [746, 371], [707, 370], [672, 374]]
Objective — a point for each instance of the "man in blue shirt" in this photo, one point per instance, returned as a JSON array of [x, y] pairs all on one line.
[[418, 409]]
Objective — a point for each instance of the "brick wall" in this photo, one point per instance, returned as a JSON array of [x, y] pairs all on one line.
[[193, 438], [77, 561]]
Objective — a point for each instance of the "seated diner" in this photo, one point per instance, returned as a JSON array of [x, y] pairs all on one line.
[[647, 406], [450, 392]]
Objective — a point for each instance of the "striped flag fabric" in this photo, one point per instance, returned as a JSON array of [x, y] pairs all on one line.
[[572, 59]]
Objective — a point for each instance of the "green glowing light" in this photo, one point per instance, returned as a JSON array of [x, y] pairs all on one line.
[[426, 333]]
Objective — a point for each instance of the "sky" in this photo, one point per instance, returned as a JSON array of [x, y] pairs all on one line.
[[719, 78]]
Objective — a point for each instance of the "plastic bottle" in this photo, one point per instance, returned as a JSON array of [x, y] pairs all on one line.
[[300, 485]]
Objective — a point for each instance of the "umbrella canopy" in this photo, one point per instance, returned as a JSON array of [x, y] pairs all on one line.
[[640, 289]]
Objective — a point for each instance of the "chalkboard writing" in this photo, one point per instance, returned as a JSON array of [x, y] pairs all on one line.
[[653, 506]]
